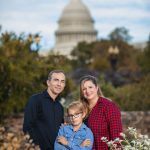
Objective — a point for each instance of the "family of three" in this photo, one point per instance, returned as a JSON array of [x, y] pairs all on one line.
[[90, 118]]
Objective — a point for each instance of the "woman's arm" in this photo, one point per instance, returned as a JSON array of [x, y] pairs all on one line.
[[115, 124]]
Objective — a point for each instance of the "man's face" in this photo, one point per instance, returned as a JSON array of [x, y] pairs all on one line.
[[57, 83]]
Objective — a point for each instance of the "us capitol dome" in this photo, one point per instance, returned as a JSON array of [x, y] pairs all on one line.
[[75, 25]]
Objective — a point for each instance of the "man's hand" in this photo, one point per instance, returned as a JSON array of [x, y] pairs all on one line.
[[86, 142], [62, 140]]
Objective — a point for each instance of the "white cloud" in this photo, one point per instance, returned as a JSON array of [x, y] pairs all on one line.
[[116, 3], [133, 13], [138, 32]]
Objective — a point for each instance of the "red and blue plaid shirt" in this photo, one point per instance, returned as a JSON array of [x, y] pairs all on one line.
[[104, 121]]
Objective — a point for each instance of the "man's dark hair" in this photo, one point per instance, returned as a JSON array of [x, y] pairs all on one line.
[[54, 71]]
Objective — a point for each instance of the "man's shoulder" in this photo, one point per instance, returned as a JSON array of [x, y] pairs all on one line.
[[35, 97]]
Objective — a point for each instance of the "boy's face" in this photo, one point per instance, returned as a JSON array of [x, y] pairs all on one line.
[[75, 117]]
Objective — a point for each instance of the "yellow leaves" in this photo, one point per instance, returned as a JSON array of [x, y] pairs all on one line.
[[15, 141]]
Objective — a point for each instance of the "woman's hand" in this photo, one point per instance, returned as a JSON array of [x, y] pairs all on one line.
[[86, 142], [62, 140]]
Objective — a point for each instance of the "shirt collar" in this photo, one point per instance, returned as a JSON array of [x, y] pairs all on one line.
[[46, 95], [83, 126]]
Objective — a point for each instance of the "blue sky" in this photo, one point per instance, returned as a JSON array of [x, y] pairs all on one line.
[[33, 16]]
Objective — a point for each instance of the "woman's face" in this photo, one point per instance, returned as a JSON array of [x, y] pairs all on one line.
[[89, 90]]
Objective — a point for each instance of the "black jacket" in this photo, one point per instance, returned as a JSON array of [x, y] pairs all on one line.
[[42, 119]]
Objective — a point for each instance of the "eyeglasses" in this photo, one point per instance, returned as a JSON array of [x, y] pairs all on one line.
[[77, 115]]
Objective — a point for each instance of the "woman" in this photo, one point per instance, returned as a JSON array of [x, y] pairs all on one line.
[[104, 117]]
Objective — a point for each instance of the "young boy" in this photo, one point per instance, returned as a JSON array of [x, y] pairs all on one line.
[[76, 135]]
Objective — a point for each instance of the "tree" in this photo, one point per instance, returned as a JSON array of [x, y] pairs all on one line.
[[20, 72], [120, 34], [23, 72], [134, 97], [82, 55], [144, 59], [126, 57]]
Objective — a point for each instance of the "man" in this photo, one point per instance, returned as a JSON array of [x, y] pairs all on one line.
[[44, 114]]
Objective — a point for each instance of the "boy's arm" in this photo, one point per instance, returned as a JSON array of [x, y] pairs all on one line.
[[57, 145], [89, 135]]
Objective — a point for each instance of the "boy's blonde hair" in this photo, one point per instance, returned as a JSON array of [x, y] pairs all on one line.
[[77, 105]]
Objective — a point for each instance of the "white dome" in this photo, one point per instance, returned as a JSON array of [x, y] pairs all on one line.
[[75, 25], [75, 17]]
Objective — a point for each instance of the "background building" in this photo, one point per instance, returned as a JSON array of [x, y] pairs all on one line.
[[75, 25]]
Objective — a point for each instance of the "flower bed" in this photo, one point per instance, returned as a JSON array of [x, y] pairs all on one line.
[[131, 140]]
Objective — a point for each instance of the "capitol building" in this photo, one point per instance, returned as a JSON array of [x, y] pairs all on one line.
[[74, 25]]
